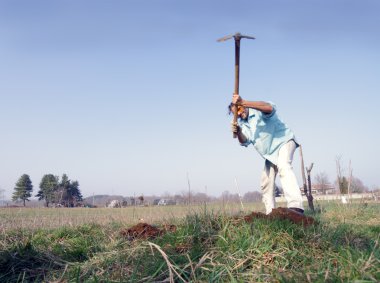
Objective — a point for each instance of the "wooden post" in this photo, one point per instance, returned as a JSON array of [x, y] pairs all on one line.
[[309, 195], [303, 172], [349, 181], [307, 191]]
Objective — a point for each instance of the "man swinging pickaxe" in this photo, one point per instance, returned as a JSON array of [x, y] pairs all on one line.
[[237, 37], [260, 126]]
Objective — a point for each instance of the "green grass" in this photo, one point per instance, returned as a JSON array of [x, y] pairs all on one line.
[[208, 246]]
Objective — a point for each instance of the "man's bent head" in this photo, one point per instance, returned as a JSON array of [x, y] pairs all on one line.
[[242, 112]]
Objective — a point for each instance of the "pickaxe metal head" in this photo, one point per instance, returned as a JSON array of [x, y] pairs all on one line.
[[237, 36]]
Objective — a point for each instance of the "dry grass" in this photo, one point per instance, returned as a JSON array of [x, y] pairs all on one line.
[[36, 218]]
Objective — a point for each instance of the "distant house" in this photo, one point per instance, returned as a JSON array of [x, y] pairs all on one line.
[[166, 202], [319, 189], [114, 203]]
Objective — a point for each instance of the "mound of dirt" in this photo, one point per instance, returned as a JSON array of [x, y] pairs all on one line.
[[283, 214], [145, 231], [293, 216], [254, 215]]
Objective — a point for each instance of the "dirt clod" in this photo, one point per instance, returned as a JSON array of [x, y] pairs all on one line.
[[254, 215], [295, 217], [141, 231], [283, 214], [145, 231]]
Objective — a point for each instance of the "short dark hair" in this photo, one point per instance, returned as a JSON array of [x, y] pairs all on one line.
[[230, 108]]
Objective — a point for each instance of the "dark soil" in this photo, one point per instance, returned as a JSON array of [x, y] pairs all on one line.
[[283, 214], [146, 231]]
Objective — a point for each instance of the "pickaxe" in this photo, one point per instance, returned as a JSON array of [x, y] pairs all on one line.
[[237, 37]]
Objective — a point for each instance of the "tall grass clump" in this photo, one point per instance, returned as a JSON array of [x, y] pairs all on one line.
[[33, 255]]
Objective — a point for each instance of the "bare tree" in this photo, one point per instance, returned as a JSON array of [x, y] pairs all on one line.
[[357, 186], [166, 195], [225, 196], [322, 180], [349, 178], [188, 182], [200, 198], [180, 199], [228, 197], [187, 196], [252, 196], [338, 170]]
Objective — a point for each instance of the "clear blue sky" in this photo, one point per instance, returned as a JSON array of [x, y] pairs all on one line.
[[129, 97]]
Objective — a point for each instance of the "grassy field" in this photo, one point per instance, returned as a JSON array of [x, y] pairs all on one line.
[[35, 218], [87, 245]]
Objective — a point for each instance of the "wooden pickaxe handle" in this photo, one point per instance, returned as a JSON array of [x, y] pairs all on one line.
[[237, 70], [237, 38]]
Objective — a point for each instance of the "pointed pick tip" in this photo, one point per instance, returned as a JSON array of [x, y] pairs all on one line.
[[246, 36], [225, 38]]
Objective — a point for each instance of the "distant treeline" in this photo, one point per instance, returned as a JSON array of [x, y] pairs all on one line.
[[53, 191]]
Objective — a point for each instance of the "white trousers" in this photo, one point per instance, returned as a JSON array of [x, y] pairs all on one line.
[[288, 179]]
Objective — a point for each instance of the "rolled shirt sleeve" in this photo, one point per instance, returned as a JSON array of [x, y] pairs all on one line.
[[266, 132], [246, 131]]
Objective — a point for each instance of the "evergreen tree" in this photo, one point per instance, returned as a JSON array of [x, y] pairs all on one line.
[[75, 194], [23, 189], [48, 187], [68, 191], [343, 185]]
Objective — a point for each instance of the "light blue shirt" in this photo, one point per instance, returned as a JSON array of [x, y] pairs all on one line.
[[266, 132]]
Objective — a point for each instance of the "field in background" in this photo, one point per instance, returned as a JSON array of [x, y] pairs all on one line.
[[46, 218]]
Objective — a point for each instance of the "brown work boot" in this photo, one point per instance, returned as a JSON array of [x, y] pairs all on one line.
[[299, 210]]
